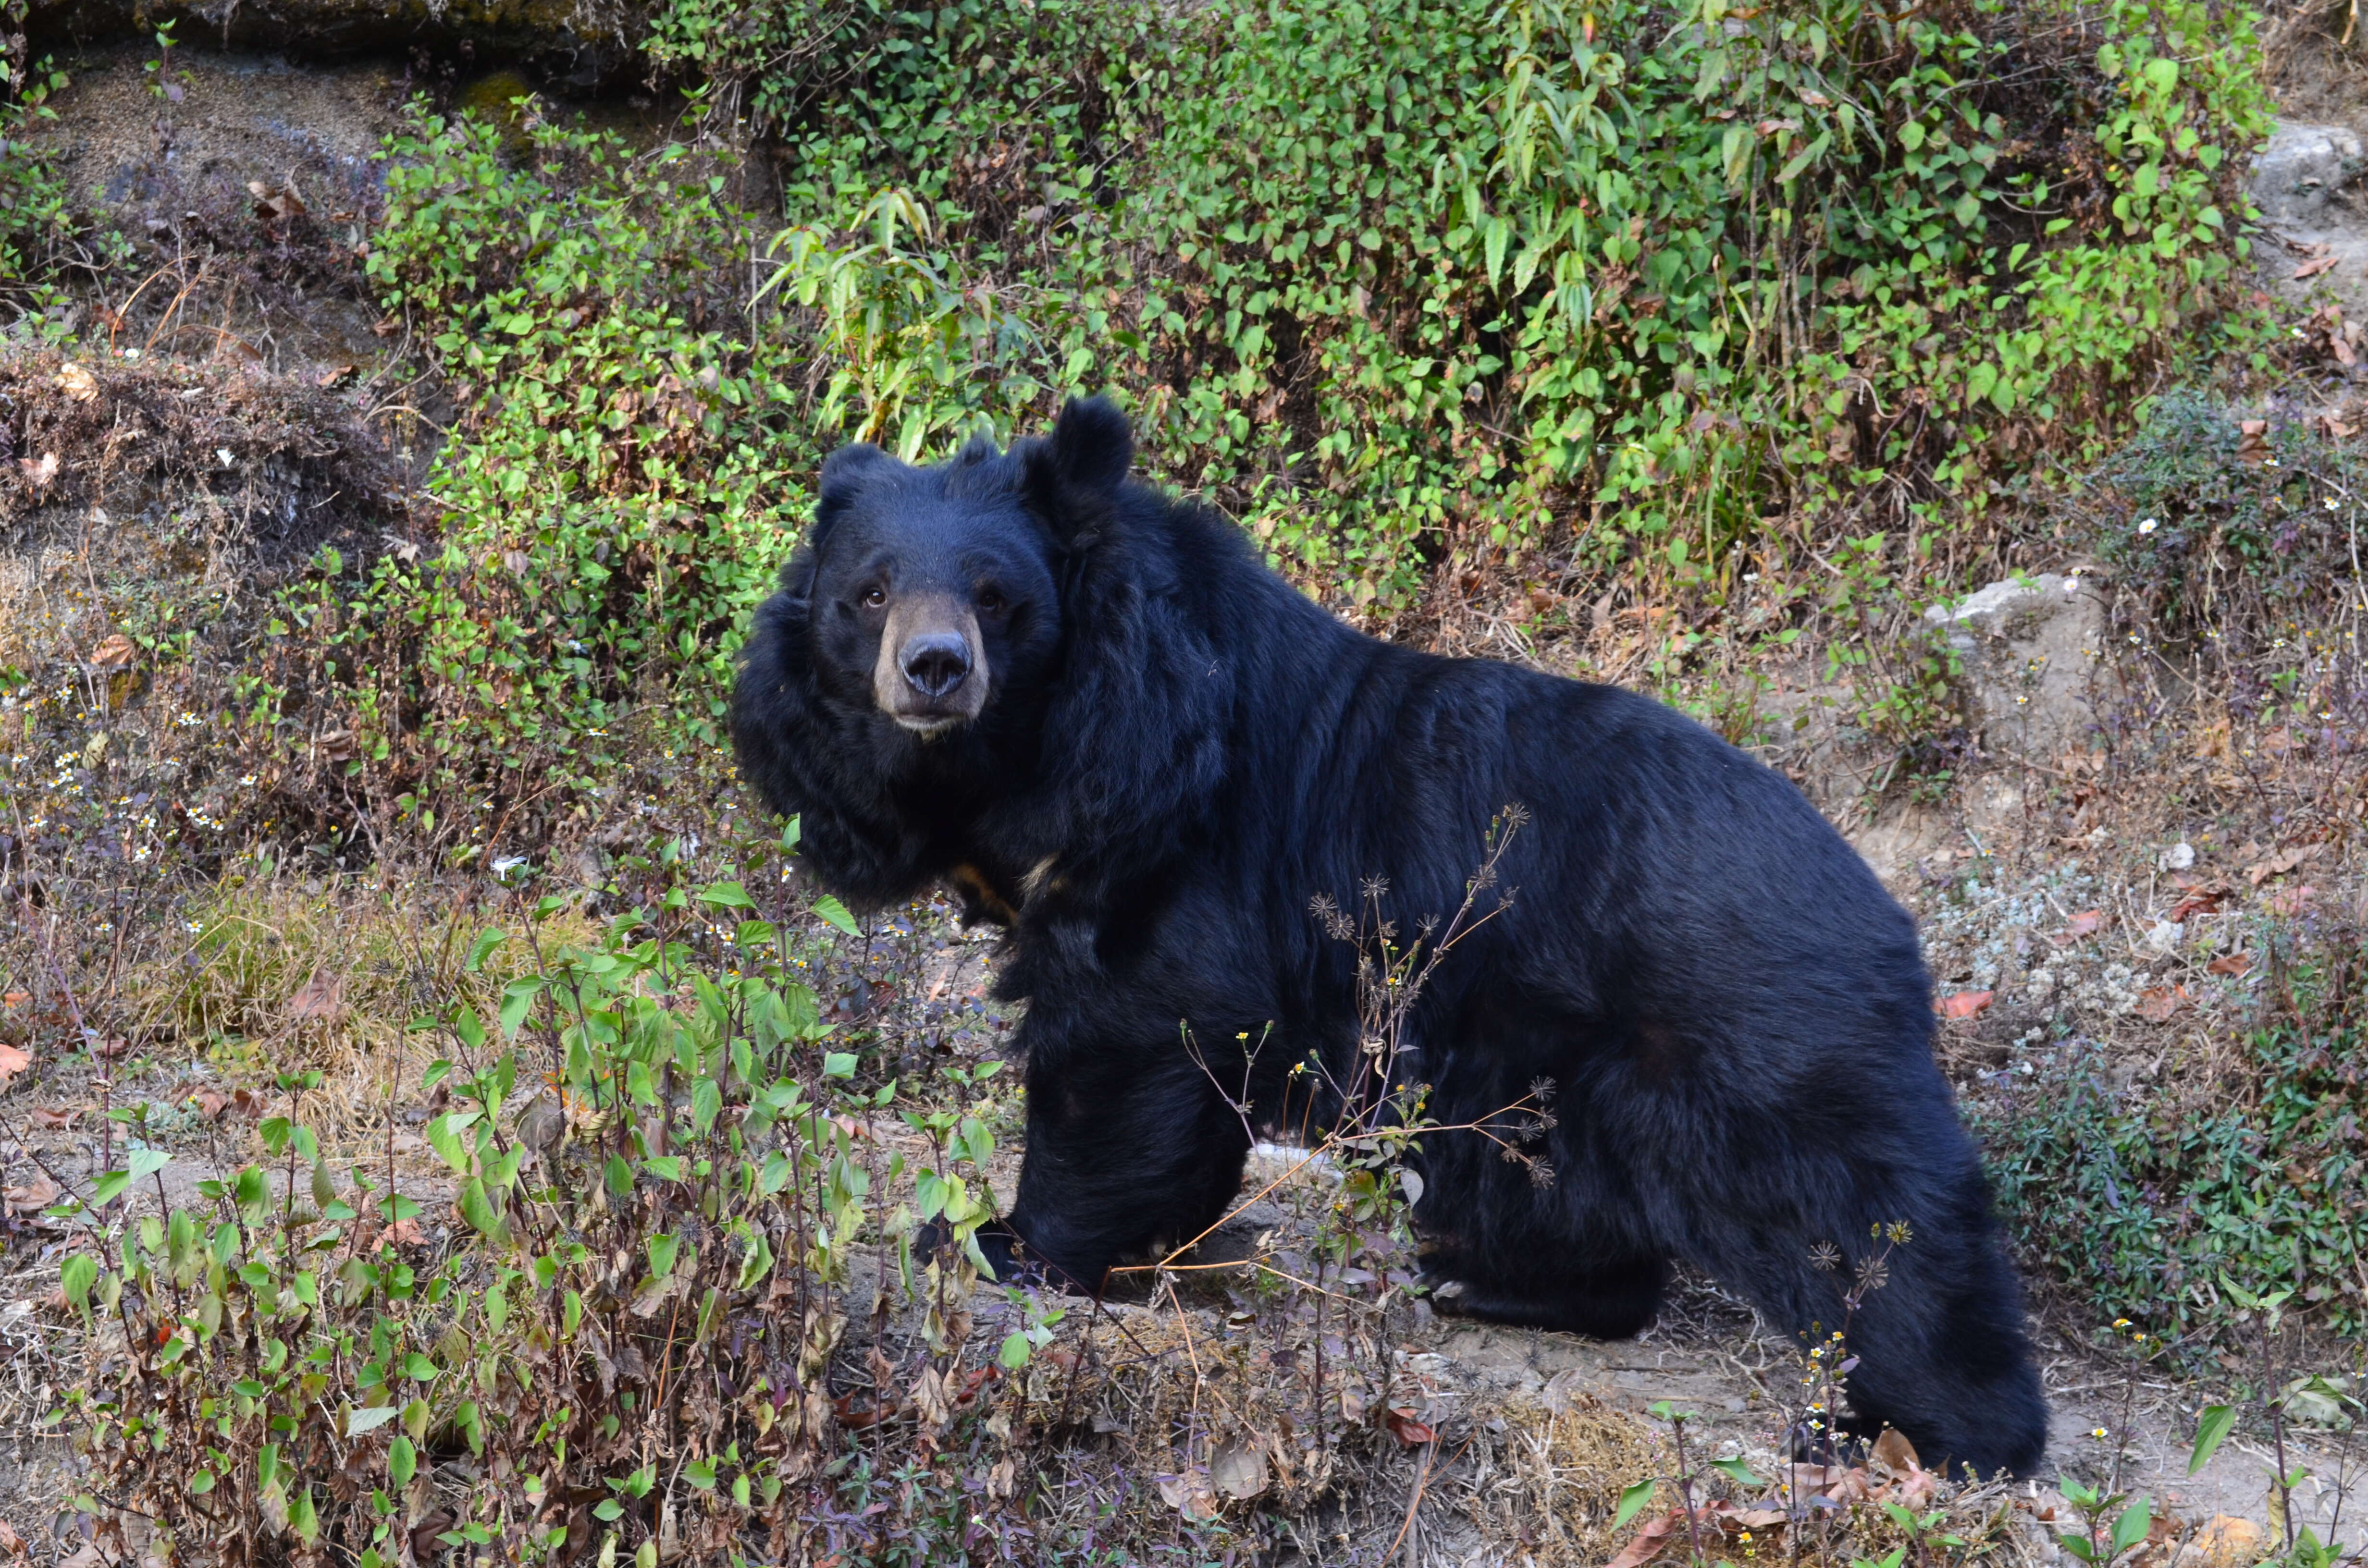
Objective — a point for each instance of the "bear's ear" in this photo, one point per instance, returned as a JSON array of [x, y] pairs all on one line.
[[844, 474], [1074, 475]]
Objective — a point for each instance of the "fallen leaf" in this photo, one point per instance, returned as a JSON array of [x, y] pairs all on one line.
[[76, 381], [333, 375], [281, 203], [321, 998], [2230, 963], [116, 651], [855, 1416], [40, 471], [2285, 860], [29, 1199], [2313, 268], [2252, 442], [2338, 424], [13, 1061], [2158, 1003], [2290, 901], [1237, 1469], [10, 1542], [2085, 924], [1189, 1495], [1893, 1451], [2195, 903], [53, 1119], [1964, 1003], [1409, 1430], [1649, 1540], [109, 1049]]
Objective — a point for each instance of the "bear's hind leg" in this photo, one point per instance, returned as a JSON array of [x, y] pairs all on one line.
[[1603, 1295]]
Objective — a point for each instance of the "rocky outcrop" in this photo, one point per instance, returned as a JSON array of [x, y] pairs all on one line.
[[2305, 181], [2030, 648]]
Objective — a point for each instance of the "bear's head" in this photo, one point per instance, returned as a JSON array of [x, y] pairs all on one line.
[[933, 592], [999, 657]]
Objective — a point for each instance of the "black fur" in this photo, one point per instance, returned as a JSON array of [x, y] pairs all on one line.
[[1178, 751]]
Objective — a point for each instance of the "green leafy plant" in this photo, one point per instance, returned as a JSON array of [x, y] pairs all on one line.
[[2153, 1206], [667, 1185]]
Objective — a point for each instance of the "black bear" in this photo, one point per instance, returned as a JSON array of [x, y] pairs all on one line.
[[1093, 709]]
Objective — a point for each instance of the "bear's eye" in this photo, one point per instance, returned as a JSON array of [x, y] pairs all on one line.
[[874, 596], [990, 602]]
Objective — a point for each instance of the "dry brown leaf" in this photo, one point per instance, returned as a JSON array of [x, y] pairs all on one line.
[[2230, 963], [2087, 922], [13, 1061], [2285, 860], [2290, 901], [1649, 1540], [2158, 1004], [2313, 268], [53, 1119], [1237, 1469], [1964, 1003], [76, 381], [116, 651], [11, 1543], [2252, 442], [1407, 1427], [15, 998], [1895, 1452], [30, 1199], [1189, 1495], [321, 999], [40, 471], [2195, 903]]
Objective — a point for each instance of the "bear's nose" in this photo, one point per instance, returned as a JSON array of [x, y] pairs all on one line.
[[935, 663]]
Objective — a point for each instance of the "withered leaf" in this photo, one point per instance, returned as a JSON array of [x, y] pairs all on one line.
[[1964, 1003]]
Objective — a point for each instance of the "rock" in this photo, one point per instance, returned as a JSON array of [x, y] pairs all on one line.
[[2030, 648], [2301, 167], [2226, 1542], [2304, 182]]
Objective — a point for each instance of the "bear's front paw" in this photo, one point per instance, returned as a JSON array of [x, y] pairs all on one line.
[[1008, 1260]]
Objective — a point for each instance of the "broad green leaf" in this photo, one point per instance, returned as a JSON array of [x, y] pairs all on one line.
[[727, 895], [2132, 1527], [370, 1419], [518, 996], [2211, 1429], [835, 913], [1631, 1501]]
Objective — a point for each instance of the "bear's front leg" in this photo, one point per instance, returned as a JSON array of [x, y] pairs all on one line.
[[1129, 1149]]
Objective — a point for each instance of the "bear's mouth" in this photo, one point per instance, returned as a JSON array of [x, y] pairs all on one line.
[[931, 676]]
